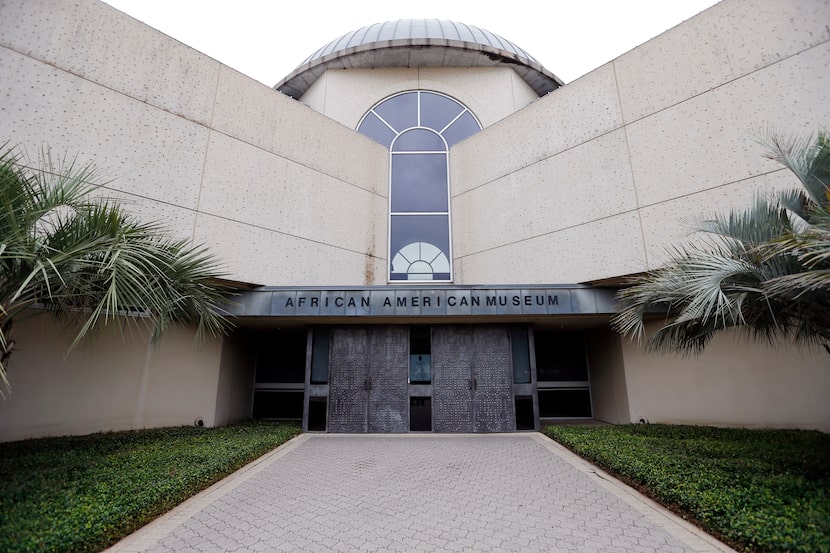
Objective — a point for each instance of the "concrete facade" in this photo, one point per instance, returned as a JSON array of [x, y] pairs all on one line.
[[587, 183]]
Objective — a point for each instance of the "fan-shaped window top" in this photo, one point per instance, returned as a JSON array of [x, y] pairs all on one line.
[[423, 140], [420, 261]]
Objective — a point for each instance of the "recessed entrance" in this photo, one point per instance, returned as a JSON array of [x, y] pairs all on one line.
[[421, 378], [450, 378]]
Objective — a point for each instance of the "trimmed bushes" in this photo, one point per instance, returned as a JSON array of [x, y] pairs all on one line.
[[78, 494], [759, 490]]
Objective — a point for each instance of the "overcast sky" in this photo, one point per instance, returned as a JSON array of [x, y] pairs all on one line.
[[267, 39]]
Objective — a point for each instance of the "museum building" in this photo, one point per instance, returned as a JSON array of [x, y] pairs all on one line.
[[426, 227]]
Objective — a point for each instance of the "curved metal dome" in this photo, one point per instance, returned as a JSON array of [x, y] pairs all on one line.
[[418, 43]]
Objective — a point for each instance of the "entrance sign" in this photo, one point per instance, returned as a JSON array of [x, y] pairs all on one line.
[[406, 301]]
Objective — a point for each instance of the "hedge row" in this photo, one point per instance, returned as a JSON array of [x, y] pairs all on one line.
[[759, 490], [84, 493]]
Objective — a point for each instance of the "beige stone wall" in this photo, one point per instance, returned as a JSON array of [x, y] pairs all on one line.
[[235, 392], [734, 382], [589, 182], [491, 93], [220, 158], [607, 372], [108, 383], [592, 181]]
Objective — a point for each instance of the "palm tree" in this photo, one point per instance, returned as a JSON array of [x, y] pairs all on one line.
[[764, 270], [87, 261]]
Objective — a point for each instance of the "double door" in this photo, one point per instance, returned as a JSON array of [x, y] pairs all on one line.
[[470, 391], [368, 391], [472, 379]]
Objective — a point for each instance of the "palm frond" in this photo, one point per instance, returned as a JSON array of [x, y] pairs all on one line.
[[807, 157], [88, 261], [764, 270]]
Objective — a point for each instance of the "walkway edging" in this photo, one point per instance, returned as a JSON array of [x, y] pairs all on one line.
[[681, 529], [154, 531]]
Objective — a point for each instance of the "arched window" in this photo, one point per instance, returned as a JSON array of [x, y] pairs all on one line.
[[419, 127]]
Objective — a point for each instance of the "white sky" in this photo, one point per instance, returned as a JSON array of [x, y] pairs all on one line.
[[267, 39]]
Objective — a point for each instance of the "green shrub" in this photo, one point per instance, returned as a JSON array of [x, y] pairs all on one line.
[[759, 490], [83, 493]]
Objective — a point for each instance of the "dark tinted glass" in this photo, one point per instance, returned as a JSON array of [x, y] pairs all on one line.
[[376, 130], [419, 140], [281, 357], [437, 111], [564, 403], [524, 413], [560, 356], [317, 413], [521, 355], [420, 414], [464, 127], [272, 404], [419, 340], [320, 356], [420, 360], [400, 111], [419, 182]]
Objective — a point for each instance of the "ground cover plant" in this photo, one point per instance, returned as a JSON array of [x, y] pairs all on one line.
[[83, 493], [758, 490]]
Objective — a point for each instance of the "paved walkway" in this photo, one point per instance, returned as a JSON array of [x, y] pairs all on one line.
[[420, 492]]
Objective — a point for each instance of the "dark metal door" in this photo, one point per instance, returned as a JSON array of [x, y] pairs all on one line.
[[452, 379], [348, 379], [492, 380], [388, 371]]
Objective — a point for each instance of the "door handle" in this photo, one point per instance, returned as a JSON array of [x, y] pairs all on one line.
[[475, 384], [366, 384], [469, 384]]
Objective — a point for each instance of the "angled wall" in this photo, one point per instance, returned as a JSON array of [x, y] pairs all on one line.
[[220, 158], [592, 181]]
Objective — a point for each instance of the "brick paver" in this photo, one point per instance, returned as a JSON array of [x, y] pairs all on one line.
[[506, 492]]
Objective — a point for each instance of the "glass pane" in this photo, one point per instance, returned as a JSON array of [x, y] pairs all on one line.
[[418, 240], [524, 413], [320, 356], [420, 368], [420, 360], [564, 403], [317, 414], [375, 129], [400, 111], [281, 357], [560, 356], [464, 127], [521, 355], [437, 111], [419, 140], [420, 414], [419, 182], [273, 404], [419, 339]]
